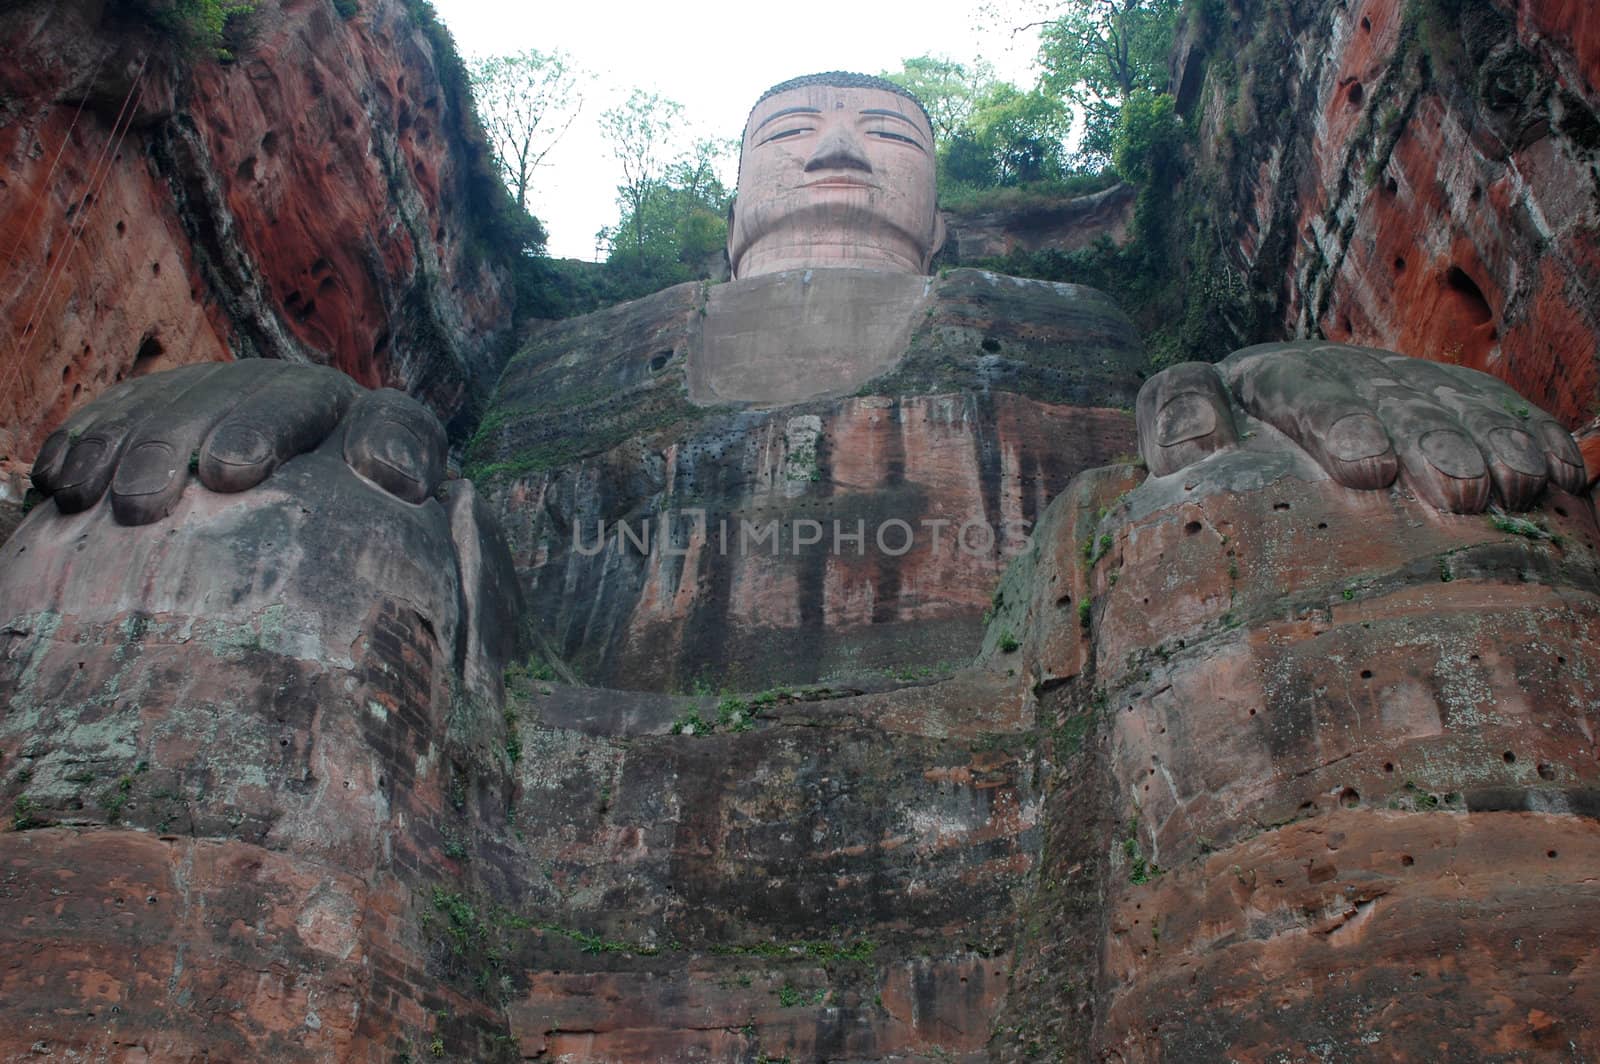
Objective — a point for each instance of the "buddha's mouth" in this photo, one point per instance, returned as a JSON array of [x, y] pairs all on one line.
[[839, 181]]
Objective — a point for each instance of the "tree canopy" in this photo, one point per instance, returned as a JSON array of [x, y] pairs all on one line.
[[1097, 54], [989, 133], [673, 205], [526, 103]]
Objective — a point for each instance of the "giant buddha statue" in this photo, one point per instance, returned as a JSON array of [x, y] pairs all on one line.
[[1274, 707]]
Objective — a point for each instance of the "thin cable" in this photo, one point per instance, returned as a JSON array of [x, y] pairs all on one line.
[[100, 174], [38, 203], [95, 173]]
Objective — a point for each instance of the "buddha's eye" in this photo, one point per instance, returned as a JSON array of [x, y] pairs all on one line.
[[784, 134], [884, 134]]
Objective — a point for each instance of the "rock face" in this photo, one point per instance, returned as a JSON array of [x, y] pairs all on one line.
[[1003, 390], [322, 198], [247, 742], [830, 874], [1067, 225], [1343, 747], [1425, 176]]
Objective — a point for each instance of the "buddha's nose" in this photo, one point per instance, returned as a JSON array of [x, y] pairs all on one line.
[[839, 151]]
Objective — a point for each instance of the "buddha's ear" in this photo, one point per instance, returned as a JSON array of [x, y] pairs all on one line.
[[939, 234]]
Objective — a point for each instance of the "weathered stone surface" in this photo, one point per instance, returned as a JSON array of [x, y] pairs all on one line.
[[1063, 225], [1348, 743], [312, 201], [1426, 176], [236, 754], [783, 338], [839, 881], [1004, 390]]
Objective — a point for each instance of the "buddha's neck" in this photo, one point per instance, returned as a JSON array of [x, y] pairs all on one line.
[[765, 257]]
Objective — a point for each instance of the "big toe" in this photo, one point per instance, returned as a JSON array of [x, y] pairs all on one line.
[[1456, 478], [1184, 414], [398, 444], [1359, 452]]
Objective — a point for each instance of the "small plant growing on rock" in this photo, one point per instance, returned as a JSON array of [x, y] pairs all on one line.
[[22, 814], [1519, 526], [1008, 643], [690, 724], [513, 740], [115, 798]]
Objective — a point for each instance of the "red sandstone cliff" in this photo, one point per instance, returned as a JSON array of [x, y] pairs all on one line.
[[1421, 177], [322, 198]]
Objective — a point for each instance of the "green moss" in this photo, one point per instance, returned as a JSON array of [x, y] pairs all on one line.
[[1519, 526], [960, 199], [463, 930], [860, 951], [22, 817], [115, 799], [568, 439], [1069, 736]]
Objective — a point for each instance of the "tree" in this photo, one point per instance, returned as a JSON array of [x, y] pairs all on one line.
[[1023, 134], [1010, 138], [1098, 53], [1150, 137], [950, 91], [199, 27], [674, 225], [1105, 49], [526, 102], [639, 129]]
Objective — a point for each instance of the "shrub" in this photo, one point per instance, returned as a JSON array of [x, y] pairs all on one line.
[[1149, 139]]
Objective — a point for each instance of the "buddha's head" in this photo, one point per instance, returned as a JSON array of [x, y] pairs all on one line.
[[836, 169]]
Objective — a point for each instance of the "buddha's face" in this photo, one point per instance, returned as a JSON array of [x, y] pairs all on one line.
[[835, 177]]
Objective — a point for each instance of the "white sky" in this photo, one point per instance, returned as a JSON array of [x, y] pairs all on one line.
[[715, 57]]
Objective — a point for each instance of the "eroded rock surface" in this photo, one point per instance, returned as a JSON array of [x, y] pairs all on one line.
[[1427, 177], [236, 751], [1346, 750], [1004, 390], [1068, 224], [320, 199]]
